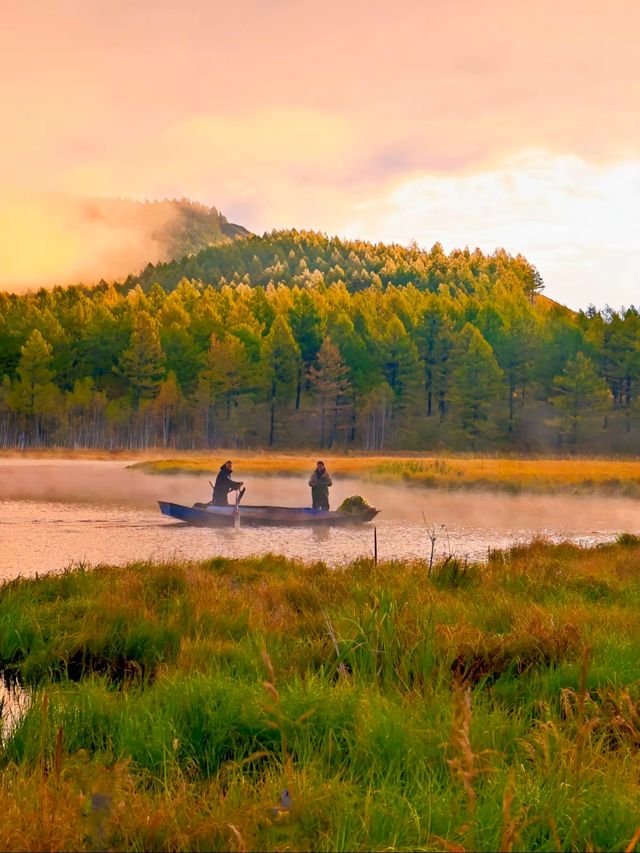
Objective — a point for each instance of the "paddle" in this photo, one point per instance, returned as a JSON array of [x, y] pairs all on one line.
[[236, 511]]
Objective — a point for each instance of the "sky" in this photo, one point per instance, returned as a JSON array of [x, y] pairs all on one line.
[[489, 124]]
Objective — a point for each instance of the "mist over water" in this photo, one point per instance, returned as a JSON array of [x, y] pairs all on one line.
[[61, 512]]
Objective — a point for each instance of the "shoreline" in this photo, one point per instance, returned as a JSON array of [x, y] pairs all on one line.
[[536, 475]]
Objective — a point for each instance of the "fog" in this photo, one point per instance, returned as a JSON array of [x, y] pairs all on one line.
[[112, 482], [55, 514], [64, 239]]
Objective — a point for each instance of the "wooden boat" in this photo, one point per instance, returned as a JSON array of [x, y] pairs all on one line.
[[208, 515]]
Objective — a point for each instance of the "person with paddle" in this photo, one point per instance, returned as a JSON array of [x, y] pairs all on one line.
[[320, 482], [224, 485]]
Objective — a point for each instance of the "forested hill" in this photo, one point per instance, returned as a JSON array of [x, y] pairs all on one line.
[[297, 340], [177, 227], [306, 258]]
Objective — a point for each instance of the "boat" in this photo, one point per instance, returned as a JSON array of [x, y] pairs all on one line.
[[207, 515]]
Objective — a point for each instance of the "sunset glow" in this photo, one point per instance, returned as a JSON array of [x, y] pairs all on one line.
[[494, 124]]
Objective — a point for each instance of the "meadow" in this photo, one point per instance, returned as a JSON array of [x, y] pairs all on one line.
[[575, 475], [266, 704]]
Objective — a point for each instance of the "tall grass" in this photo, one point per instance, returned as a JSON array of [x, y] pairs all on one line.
[[577, 475], [268, 704]]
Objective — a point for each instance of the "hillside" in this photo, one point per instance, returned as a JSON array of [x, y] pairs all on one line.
[[295, 339], [308, 259], [177, 227]]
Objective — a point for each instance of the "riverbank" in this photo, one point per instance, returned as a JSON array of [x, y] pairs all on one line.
[[270, 704], [575, 476]]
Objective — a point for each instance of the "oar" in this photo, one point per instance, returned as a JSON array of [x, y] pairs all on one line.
[[236, 511]]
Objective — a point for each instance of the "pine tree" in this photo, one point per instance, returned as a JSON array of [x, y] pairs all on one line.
[[307, 327], [227, 370], [581, 394], [330, 379], [33, 394], [143, 363], [281, 360], [400, 367], [34, 374], [166, 406], [476, 386]]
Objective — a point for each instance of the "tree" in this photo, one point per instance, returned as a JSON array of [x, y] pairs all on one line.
[[330, 379], [376, 412], [510, 326], [143, 363], [580, 394], [307, 327], [227, 369], [34, 394], [85, 408], [166, 406], [401, 370], [281, 361], [476, 386]]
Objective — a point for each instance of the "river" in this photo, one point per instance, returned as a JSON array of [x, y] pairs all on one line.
[[58, 513]]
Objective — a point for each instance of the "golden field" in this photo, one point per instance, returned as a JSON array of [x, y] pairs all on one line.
[[613, 476]]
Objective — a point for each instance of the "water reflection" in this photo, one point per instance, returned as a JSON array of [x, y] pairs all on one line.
[[14, 703]]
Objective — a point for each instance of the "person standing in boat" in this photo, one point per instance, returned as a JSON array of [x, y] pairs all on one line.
[[224, 484], [320, 482]]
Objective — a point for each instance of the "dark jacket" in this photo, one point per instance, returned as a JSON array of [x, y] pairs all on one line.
[[320, 489], [223, 485]]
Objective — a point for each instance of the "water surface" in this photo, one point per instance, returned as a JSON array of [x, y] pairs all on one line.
[[57, 513]]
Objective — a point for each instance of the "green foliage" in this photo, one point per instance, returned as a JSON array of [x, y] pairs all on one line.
[[143, 363], [580, 394], [280, 364], [397, 709], [316, 341], [477, 387]]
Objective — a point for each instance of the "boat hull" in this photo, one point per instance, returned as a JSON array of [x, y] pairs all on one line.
[[205, 515]]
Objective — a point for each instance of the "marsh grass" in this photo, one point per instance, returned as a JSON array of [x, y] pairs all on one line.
[[572, 475], [269, 704]]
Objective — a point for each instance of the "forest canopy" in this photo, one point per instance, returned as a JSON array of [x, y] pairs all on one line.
[[294, 339]]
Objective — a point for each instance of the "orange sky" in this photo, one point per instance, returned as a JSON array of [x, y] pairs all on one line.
[[482, 123]]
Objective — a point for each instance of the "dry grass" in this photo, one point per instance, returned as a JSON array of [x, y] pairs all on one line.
[[578, 475], [604, 475]]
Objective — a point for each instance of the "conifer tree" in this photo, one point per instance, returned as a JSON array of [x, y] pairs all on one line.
[[307, 327], [476, 387], [330, 379], [166, 405], [280, 364], [227, 370], [580, 394], [33, 393], [143, 363]]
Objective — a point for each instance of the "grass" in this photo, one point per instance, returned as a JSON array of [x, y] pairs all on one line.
[[269, 704], [605, 476]]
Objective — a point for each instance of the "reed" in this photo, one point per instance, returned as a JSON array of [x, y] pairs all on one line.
[[270, 704], [572, 475]]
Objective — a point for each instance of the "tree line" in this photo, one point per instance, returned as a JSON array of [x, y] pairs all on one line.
[[294, 339]]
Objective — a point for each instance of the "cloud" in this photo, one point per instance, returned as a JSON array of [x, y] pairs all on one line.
[[576, 221]]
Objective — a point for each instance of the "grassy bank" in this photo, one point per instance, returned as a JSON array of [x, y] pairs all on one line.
[[514, 475], [475, 707]]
